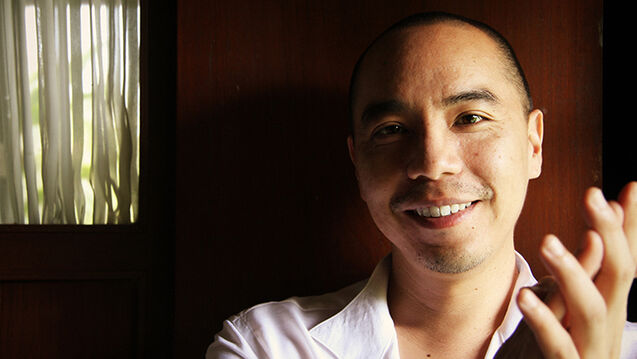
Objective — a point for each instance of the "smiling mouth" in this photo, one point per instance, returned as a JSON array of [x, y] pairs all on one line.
[[441, 211]]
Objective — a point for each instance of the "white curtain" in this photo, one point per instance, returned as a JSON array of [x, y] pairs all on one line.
[[84, 104]]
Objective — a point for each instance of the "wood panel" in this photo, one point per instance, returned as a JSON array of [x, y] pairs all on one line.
[[70, 318], [267, 202]]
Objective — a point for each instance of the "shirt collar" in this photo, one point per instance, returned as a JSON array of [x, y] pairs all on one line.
[[365, 329]]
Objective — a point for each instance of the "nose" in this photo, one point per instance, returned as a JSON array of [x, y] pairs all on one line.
[[435, 154]]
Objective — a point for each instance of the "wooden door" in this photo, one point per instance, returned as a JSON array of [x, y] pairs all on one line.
[[103, 291]]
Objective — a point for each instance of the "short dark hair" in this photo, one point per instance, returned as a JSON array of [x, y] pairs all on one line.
[[431, 18]]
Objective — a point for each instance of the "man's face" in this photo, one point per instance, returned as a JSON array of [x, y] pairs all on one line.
[[442, 146]]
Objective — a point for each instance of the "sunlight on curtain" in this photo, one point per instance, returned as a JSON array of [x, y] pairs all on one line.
[[69, 119]]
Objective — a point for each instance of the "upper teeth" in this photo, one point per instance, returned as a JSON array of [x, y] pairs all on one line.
[[442, 211]]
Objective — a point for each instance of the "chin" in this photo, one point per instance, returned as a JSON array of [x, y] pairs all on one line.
[[450, 260]]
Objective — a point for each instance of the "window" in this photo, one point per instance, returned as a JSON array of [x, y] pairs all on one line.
[[69, 120]]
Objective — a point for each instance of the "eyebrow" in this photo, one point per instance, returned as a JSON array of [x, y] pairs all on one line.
[[471, 95]]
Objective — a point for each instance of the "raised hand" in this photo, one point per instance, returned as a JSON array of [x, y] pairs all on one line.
[[584, 313]]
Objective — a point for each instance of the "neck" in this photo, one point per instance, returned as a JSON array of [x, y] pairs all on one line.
[[441, 312]]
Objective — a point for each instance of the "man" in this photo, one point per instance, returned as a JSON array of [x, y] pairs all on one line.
[[444, 141]]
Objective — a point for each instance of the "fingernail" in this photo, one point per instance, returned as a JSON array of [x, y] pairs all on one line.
[[527, 300], [598, 199], [554, 247]]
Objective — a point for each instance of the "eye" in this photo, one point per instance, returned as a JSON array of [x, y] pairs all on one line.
[[469, 119], [389, 130]]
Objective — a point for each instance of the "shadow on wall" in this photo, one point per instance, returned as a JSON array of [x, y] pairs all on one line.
[[270, 194]]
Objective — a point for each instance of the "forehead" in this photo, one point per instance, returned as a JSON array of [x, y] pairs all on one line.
[[430, 62]]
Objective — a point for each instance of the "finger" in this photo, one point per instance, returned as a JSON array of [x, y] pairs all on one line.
[[552, 297], [618, 267], [548, 291], [628, 200], [614, 282], [604, 218], [591, 254], [585, 305], [554, 341], [590, 257]]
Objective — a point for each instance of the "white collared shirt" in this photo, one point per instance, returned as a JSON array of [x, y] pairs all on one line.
[[353, 322]]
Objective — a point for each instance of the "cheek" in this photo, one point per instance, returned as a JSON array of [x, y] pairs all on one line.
[[373, 179], [379, 173], [502, 164], [496, 154]]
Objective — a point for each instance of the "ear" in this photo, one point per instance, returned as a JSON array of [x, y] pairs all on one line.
[[350, 147], [352, 154], [536, 135]]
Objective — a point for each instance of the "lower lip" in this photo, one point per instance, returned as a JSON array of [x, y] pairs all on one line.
[[442, 221]]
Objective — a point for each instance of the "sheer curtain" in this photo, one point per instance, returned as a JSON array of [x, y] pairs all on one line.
[[69, 119]]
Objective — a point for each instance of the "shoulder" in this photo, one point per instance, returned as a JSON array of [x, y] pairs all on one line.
[[305, 312], [255, 331]]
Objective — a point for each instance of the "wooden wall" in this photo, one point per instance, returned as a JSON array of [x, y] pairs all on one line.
[[267, 204]]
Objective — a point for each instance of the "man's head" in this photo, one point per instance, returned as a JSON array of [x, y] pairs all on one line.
[[441, 121]]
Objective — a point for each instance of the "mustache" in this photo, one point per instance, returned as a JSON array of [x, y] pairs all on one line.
[[423, 190]]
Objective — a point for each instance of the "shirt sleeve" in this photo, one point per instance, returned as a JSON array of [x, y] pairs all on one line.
[[230, 344], [629, 341]]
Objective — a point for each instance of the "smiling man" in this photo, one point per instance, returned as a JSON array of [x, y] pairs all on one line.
[[444, 141]]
